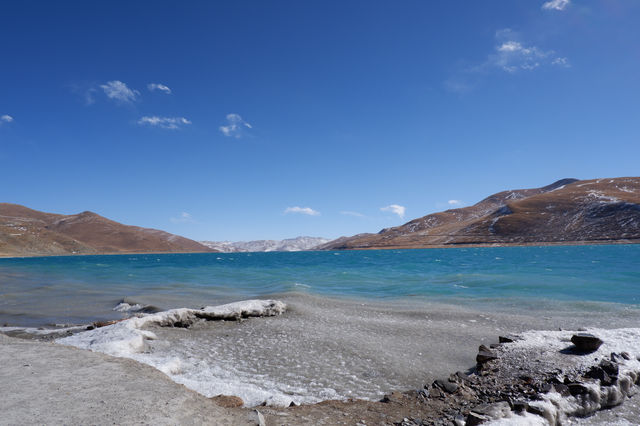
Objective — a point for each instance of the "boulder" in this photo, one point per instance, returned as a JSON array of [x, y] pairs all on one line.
[[485, 356], [474, 419], [611, 368], [446, 386], [586, 342], [577, 389]]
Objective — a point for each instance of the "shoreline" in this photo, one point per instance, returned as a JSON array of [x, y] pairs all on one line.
[[633, 241], [520, 379]]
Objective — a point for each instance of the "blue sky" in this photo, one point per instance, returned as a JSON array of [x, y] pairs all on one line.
[[272, 119]]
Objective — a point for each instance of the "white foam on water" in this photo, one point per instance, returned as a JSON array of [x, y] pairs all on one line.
[[126, 307], [44, 331]]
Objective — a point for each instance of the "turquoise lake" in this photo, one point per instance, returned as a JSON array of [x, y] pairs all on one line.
[[79, 289]]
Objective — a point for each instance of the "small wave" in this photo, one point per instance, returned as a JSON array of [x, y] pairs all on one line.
[[134, 307], [301, 285]]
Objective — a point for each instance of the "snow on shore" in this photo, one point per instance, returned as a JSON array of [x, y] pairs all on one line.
[[127, 337]]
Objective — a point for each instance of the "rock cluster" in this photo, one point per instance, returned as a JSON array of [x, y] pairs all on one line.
[[502, 388]]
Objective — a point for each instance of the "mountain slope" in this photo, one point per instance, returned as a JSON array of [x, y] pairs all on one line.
[[27, 232], [565, 211]]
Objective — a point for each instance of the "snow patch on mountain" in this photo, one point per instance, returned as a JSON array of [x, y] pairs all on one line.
[[290, 244]]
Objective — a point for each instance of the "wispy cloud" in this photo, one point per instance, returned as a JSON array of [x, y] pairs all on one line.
[[6, 118], [89, 99], [172, 123], [302, 210], [556, 5], [235, 126], [511, 55], [395, 209], [119, 92], [157, 86], [455, 202], [561, 62], [183, 218], [350, 213]]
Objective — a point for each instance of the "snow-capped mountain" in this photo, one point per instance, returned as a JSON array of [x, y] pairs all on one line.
[[290, 244]]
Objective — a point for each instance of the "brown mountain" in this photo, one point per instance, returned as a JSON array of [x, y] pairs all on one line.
[[27, 232], [567, 211]]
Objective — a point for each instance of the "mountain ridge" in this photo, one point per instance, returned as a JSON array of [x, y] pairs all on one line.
[[28, 232], [568, 210], [289, 244]]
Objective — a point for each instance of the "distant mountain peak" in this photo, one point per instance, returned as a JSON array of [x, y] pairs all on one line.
[[289, 244]]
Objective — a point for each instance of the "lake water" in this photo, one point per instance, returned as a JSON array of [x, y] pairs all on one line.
[[79, 289], [359, 323]]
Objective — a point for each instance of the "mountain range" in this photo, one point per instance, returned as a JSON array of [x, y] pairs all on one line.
[[290, 244], [567, 211], [27, 232]]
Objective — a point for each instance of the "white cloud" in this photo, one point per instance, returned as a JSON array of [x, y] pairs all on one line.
[[561, 62], [119, 91], [172, 123], [395, 209], [302, 210], [157, 86], [510, 46], [556, 5], [454, 202], [183, 218], [6, 118], [350, 213], [234, 127], [511, 55]]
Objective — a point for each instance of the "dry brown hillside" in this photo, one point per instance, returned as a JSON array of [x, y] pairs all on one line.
[[27, 232], [598, 210]]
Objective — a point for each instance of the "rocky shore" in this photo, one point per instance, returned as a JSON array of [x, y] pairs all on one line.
[[533, 378], [538, 378]]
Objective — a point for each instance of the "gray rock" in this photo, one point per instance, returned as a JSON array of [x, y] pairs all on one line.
[[586, 342], [496, 410], [562, 389], [535, 410], [577, 389], [485, 356], [611, 368], [446, 386], [474, 419], [520, 406]]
